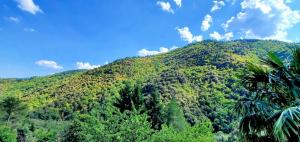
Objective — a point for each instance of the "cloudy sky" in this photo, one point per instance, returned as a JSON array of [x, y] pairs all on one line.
[[39, 37]]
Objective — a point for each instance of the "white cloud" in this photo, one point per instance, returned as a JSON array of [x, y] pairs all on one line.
[[145, 52], [217, 5], [13, 19], [174, 47], [226, 24], [165, 6], [178, 2], [217, 36], [29, 6], [86, 65], [263, 19], [186, 35], [48, 64], [263, 6], [29, 30], [206, 23]]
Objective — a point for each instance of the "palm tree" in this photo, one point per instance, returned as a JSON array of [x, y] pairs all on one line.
[[271, 109]]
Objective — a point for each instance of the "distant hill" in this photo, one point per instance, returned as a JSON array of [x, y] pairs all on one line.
[[203, 77]]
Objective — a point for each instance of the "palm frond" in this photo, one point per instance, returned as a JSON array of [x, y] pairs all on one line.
[[273, 61], [246, 106], [258, 74], [287, 125], [255, 126]]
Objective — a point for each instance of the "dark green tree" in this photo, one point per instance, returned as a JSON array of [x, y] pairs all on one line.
[[137, 96], [130, 97], [271, 110], [12, 107], [155, 109]]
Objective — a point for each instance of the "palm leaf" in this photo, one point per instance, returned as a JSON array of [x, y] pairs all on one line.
[[273, 61], [258, 74], [287, 125]]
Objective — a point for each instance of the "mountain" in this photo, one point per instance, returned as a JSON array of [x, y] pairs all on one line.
[[203, 77]]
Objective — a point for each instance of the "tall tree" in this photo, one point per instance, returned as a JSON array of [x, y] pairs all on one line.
[[175, 117], [131, 97], [271, 111], [12, 106], [155, 109], [137, 96]]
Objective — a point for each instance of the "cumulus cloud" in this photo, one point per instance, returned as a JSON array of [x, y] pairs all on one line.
[[217, 5], [86, 65], [206, 23], [13, 19], [217, 36], [145, 52], [28, 6], [186, 35], [178, 2], [48, 64], [263, 19], [165, 6]]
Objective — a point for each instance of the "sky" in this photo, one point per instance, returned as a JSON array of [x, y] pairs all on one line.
[[42, 37]]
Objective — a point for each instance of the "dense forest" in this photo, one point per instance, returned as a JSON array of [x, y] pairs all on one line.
[[243, 90]]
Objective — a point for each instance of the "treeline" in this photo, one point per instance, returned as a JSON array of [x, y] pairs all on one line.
[[136, 115]]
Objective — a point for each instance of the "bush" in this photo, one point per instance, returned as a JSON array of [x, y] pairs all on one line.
[[201, 132], [7, 134]]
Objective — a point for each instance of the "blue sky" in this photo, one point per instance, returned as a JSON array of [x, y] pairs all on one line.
[[39, 37]]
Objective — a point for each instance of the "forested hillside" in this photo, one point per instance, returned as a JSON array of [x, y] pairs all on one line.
[[187, 94]]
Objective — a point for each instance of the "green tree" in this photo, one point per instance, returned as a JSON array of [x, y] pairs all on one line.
[[137, 96], [271, 110], [200, 132], [155, 109], [12, 107], [85, 128], [130, 97], [133, 128], [175, 117]]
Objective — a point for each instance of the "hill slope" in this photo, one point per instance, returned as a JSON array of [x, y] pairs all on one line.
[[203, 77]]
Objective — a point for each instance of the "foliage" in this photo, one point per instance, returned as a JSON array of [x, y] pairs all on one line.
[[201, 132], [12, 107], [174, 116], [203, 77], [154, 107], [86, 128], [7, 134], [271, 111], [130, 97]]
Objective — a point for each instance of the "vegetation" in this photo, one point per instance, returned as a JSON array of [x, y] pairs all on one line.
[[188, 94], [271, 111]]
